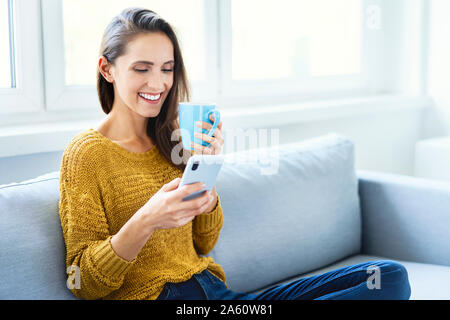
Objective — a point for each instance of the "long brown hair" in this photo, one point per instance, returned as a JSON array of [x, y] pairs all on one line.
[[121, 30]]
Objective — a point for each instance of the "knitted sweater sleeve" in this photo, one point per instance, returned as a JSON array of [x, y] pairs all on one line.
[[85, 230], [206, 229]]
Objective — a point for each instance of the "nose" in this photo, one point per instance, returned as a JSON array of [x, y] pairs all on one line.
[[155, 82]]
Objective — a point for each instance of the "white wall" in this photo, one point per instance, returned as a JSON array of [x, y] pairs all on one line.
[[439, 64], [383, 142]]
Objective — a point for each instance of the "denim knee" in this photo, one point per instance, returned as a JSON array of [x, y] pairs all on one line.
[[394, 277], [397, 270]]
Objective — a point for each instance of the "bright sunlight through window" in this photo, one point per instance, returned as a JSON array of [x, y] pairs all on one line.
[[295, 39], [82, 38]]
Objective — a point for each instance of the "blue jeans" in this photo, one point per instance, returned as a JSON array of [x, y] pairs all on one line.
[[378, 280]]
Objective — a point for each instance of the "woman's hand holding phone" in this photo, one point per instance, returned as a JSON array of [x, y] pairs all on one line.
[[166, 209]]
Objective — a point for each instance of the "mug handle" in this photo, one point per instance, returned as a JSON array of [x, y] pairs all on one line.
[[216, 121]]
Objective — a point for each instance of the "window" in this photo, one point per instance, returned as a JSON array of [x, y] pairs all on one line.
[[72, 51], [295, 39], [238, 53], [282, 50], [82, 40], [21, 74], [7, 75]]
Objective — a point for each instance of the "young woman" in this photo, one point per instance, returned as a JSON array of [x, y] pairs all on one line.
[[127, 232]]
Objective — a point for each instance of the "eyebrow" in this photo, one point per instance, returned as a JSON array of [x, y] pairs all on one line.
[[150, 63]]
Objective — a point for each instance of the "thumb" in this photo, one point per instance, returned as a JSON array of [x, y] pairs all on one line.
[[172, 185]]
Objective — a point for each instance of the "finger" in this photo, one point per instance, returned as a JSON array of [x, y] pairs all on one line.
[[217, 133], [201, 149], [204, 137], [206, 126], [187, 215], [190, 208], [203, 125], [207, 203], [219, 136], [218, 139], [185, 220], [215, 145], [195, 204], [190, 189], [172, 185]]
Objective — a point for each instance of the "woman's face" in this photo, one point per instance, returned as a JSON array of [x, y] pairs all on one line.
[[143, 76]]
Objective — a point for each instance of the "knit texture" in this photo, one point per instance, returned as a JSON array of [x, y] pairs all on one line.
[[101, 186]]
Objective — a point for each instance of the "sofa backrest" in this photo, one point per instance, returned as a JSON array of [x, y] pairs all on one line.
[[32, 251], [291, 214], [285, 219]]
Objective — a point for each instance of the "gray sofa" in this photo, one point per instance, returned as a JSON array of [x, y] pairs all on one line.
[[290, 212]]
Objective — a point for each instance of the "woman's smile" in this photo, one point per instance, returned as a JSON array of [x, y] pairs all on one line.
[[152, 98]]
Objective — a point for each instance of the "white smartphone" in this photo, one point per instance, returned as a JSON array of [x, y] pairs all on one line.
[[201, 168]]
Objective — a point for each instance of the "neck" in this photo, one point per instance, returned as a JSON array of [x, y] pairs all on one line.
[[123, 124]]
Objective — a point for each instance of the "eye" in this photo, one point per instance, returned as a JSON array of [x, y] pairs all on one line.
[[140, 70], [167, 70]]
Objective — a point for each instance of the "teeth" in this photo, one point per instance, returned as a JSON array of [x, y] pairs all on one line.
[[150, 97]]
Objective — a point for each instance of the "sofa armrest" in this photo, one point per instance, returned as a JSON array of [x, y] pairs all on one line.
[[405, 218]]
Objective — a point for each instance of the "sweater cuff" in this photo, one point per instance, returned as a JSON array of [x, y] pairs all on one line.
[[108, 262], [208, 221]]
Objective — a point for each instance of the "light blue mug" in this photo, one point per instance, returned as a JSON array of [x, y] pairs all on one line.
[[188, 114]]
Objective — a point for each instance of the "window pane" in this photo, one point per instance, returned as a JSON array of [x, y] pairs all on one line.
[[6, 79], [82, 40], [301, 38]]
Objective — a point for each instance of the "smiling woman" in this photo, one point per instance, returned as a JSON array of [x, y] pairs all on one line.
[[141, 78], [141, 68], [137, 81]]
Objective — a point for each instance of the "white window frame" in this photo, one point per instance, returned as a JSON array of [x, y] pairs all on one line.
[[257, 93], [28, 94], [207, 89], [58, 95]]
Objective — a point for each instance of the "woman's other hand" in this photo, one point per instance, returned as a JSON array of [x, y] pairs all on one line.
[[216, 141]]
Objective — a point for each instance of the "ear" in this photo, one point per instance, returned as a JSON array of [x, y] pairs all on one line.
[[105, 69]]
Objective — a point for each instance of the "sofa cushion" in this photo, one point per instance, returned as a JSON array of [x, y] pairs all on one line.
[[289, 214], [32, 262]]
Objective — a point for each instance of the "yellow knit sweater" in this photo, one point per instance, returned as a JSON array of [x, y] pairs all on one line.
[[101, 186]]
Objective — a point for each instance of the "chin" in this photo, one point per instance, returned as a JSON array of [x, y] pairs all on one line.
[[150, 113], [149, 110]]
